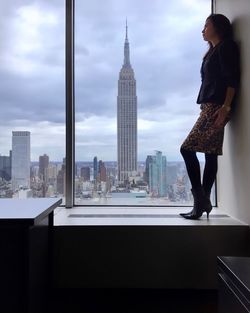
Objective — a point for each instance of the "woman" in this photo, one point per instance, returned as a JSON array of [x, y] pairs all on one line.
[[220, 77]]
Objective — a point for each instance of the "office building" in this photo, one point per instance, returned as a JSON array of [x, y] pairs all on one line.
[[20, 171]]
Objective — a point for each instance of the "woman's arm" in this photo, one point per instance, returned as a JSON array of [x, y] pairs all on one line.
[[229, 64], [230, 92], [223, 111]]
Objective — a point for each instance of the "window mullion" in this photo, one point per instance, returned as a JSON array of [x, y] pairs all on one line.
[[70, 105]]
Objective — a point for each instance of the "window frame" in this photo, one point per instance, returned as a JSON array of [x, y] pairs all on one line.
[[70, 101], [70, 113]]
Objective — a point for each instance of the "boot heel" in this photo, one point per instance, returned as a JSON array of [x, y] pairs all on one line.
[[207, 215]]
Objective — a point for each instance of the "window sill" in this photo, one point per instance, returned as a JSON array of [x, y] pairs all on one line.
[[131, 216]]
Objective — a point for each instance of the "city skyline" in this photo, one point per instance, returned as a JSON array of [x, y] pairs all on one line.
[[155, 181]]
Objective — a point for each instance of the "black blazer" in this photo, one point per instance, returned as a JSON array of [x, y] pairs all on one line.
[[219, 69]]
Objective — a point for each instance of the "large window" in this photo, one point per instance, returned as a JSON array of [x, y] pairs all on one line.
[[32, 119], [137, 66], [137, 76]]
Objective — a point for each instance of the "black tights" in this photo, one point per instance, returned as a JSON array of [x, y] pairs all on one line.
[[193, 169]]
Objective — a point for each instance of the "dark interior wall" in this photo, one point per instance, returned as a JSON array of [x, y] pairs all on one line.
[[143, 256]]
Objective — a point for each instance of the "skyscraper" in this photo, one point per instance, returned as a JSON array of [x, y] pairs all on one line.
[[5, 167], [43, 167], [149, 160], [126, 118], [85, 173], [60, 179], [102, 171], [20, 171], [157, 174], [95, 166]]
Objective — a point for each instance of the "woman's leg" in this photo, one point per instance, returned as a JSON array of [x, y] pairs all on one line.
[[193, 167], [201, 203], [210, 171]]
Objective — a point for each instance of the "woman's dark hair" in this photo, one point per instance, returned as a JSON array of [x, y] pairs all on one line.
[[222, 26]]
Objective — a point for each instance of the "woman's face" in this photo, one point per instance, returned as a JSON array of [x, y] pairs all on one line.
[[208, 31]]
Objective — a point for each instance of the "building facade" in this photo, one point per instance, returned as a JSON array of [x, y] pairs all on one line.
[[5, 167], [157, 174], [85, 173], [95, 168], [43, 167], [20, 171]]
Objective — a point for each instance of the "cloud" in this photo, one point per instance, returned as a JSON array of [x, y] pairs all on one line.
[[166, 48], [46, 137]]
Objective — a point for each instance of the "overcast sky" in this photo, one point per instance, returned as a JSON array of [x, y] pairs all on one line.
[[166, 49]]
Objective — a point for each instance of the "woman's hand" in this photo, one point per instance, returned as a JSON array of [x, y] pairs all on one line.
[[221, 116]]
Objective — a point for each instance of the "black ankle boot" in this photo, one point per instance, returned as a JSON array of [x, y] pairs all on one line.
[[188, 213], [194, 207], [208, 207], [201, 204], [191, 212]]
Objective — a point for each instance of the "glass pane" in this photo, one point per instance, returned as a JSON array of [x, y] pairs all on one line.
[[32, 119], [137, 80]]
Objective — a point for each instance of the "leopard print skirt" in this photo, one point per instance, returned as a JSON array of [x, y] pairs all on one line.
[[204, 137]]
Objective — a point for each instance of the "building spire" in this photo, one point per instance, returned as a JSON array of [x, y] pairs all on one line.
[[126, 30], [126, 49]]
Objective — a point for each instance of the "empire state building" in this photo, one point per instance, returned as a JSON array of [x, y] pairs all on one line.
[[126, 118]]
